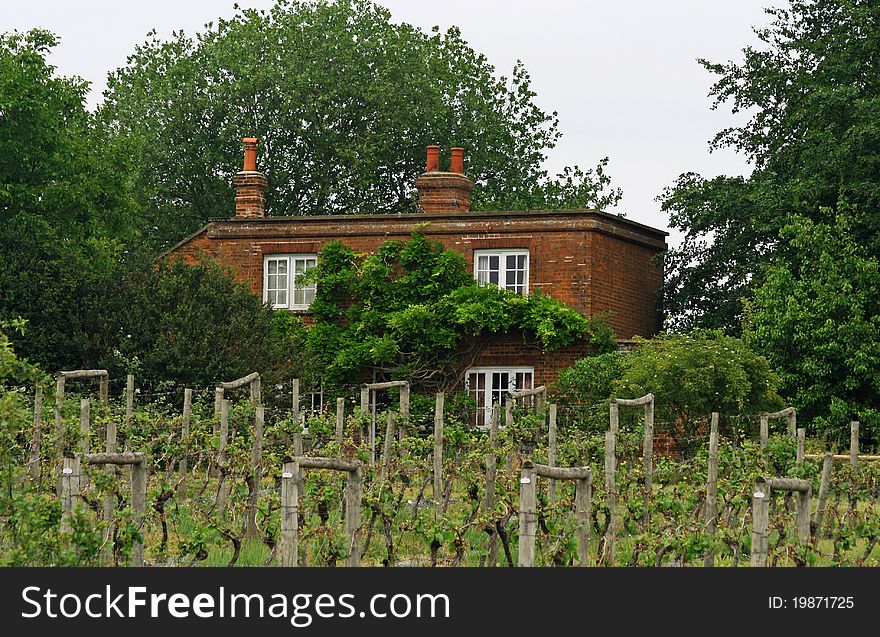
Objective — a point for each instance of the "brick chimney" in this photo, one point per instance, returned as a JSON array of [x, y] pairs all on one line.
[[444, 191], [250, 185]]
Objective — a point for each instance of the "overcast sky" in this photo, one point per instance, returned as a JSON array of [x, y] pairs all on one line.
[[622, 75]]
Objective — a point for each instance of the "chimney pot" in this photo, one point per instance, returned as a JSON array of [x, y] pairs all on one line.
[[457, 163], [433, 164], [441, 191], [250, 154]]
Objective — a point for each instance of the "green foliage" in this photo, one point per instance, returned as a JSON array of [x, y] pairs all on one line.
[[817, 315], [65, 213], [344, 102], [692, 375], [591, 380], [193, 324], [411, 309], [813, 134]]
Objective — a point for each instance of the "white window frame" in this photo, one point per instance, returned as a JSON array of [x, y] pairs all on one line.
[[290, 259], [511, 371], [502, 265]]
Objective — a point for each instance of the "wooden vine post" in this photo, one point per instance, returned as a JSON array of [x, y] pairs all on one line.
[[71, 482], [764, 488], [824, 484], [610, 494], [222, 486], [129, 402], [439, 403], [183, 465], [790, 415], [288, 546], [34, 462], [366, 393], [340, 422], [854, 445], [386, 446], [294, 400], [84, 425], [712, 488], [528, 507], [290, 499], [252, 380], [61, 379], [491, 468], [109, 502], [256, 475], [551, 451], [647, 444], [538, 393]]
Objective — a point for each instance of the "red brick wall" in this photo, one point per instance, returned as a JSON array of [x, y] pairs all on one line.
[[592, 261], [517, 350]]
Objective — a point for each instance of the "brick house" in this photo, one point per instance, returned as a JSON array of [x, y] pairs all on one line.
[[593, 261]]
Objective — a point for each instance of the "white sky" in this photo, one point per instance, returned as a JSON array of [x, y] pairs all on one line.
[[622, 74]]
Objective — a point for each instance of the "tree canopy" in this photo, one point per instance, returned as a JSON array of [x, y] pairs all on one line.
[[344, 101], [811, 93], [817, 317]]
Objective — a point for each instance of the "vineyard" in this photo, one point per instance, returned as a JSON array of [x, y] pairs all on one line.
[[98, 471]]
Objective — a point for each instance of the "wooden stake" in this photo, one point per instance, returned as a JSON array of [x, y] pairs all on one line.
[[222, 488], [353, 516], [854, 444], [183, 466], [256, 474], [801, 437], [491, 467], [404, 413], [582, 497], [69, 488], [109, 500], [760, 507], [551, 452], [138, 508], [765, 430], [104, 389], [294, 400], [610, 495], [59, 403], [386, 447], [613, 417], [712, 489], [84, 425], [528, 517], [289, 515], [827, 463], [340, 422], [648, 459], [34, 464], [803, 517], [129, 402], [439, 402]]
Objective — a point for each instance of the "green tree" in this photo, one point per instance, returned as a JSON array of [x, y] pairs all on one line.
[[65, 213], [192, 324], [817, 317], [812, 96], [412, 310], [694, 374], [344, 102]]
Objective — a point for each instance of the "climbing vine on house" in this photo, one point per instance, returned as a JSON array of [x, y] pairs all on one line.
[[413, 310]]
